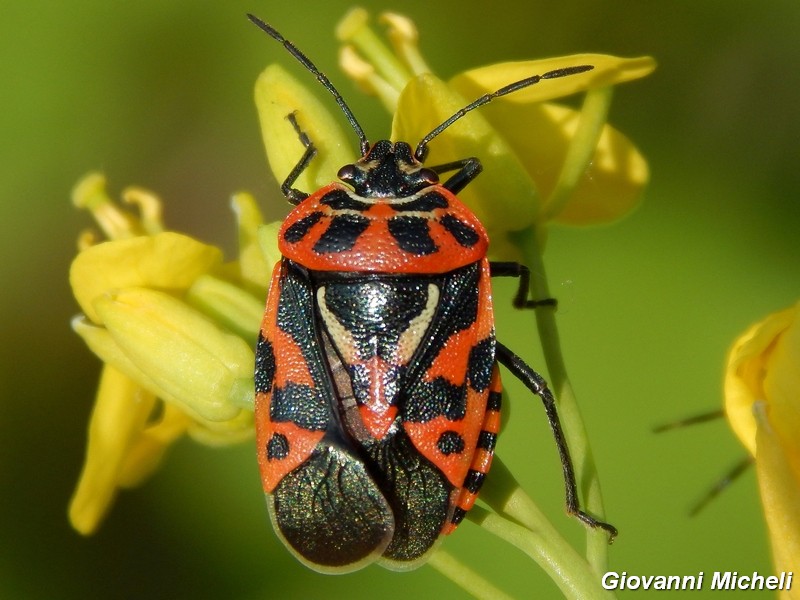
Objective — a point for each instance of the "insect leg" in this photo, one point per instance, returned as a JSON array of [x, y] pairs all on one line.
[[536, 384], [467, 170], [293, 195], [515, 269]]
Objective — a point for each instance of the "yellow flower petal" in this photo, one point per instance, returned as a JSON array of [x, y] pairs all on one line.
[[745, 371], [119, 415], [608, 70], [167, 261], [780, 494], [224, 433], [108, 351], [540, 135], [184, 353], [268, 242], [782, 390], [277, 96], [146, 452], [762, 402]]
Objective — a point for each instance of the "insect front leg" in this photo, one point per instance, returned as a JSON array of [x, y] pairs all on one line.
[[536, 384], [514, 269], [467, 170], [294, 195]]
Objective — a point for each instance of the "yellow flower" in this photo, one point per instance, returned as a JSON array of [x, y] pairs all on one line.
[[762, 402], [174, 328], [542, 161]]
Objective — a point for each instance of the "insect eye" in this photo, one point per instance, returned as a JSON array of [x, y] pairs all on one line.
[[347, 173], [428, 176]]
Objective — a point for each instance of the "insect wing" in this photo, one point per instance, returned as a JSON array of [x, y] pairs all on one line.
[[324, 505]]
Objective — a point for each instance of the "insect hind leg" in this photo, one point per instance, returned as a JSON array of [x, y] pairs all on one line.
[[536, 384]]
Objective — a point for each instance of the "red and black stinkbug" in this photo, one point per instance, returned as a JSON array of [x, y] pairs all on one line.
[[377, 382]]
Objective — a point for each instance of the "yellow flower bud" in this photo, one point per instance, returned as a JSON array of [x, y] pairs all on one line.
[[183, 352], [229, 305]]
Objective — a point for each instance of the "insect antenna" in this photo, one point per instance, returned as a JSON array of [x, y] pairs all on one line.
[[321, 77], [422, 150], [686, 421], [722, 484], [728, 478]]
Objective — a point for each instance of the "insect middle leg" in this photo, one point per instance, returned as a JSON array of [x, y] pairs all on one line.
[[515, 269]]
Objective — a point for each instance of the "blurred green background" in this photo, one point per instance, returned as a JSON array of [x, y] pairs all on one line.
[[160, 95]]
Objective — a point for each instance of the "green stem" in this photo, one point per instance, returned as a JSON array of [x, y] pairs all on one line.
[[466, 578], [594, 113], [519, 521], [569, 413]]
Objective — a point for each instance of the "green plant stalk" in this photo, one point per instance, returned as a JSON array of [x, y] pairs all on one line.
[[593, 117], [465, 578], [569, 413], [519, 521], [361, 36], [594, 114]]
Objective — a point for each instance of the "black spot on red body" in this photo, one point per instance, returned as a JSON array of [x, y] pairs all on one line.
[[299, 404], [297, 231], [495, 401], [450, 442], [424, 203], [458, 515], [341, 200], [277, 447], [342, 234], [265, 365], [463, 233], [437, 398], [481, 364], [412, 235], [487, 440], [474, 481]]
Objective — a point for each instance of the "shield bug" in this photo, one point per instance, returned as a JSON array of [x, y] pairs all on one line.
[[377, 384]]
